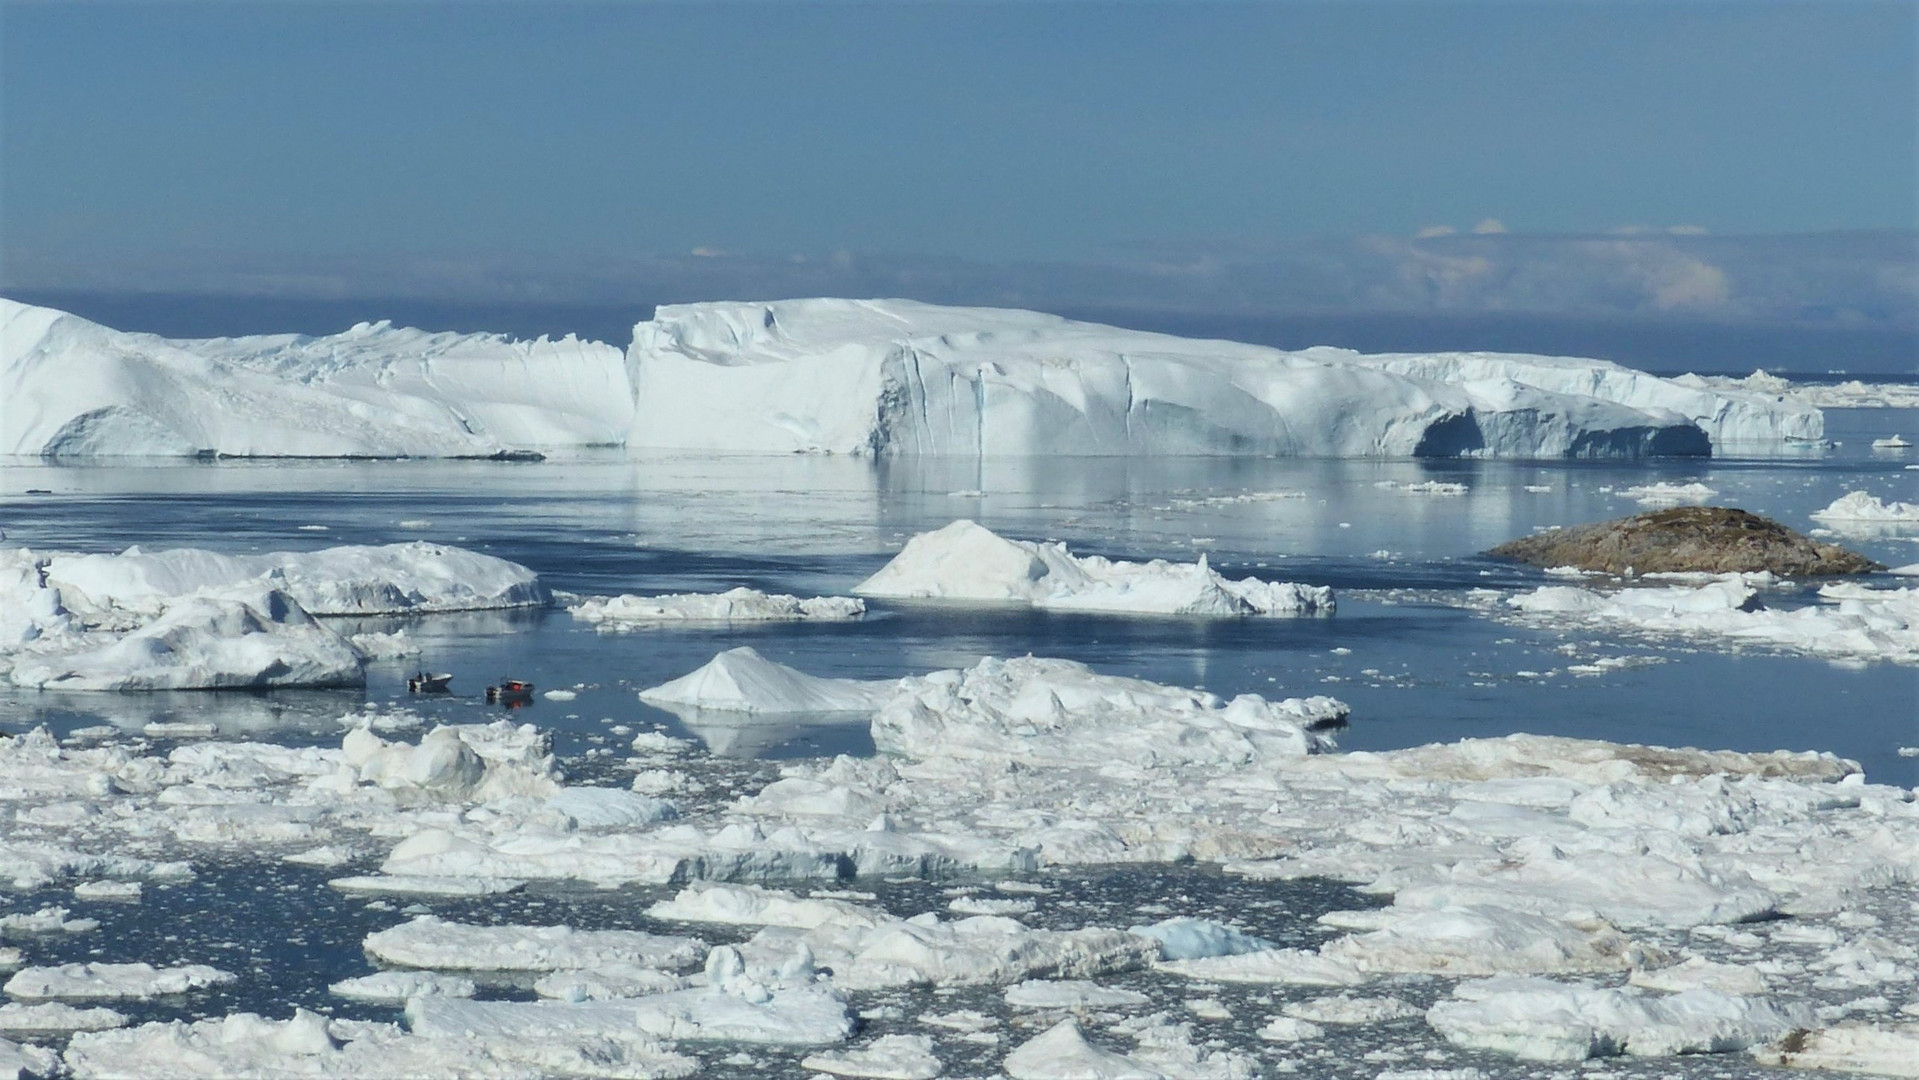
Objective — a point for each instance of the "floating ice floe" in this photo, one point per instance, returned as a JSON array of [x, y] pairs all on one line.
[[1861, 513], [55, 1018], [308, 1044], [1854, 622], [399, 987], [967, 562], [1072, 994], [741, 680], [889, 1057], [629, 612], [111, 982], [1424, 487], [1875, 1050], [1661, 493], [431, 942], [1062, 1051], [193, 619], [1543, 1020]]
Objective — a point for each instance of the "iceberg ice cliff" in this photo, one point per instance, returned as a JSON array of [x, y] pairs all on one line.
[[875, 377], [899, 377]]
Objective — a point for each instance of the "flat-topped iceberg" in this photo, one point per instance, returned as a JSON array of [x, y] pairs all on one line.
[[899, 377], [968, 562], [71, 387], [881, 377]]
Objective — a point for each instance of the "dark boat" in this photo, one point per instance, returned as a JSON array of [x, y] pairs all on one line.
[[510, 692], [428, 683]]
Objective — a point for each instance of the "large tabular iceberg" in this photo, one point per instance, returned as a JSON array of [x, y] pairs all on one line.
[[881, 377], [898, 377]]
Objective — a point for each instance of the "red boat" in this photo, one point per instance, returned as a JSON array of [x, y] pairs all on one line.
[[510, 692]]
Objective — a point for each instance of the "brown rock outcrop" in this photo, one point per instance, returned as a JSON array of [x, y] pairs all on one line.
[[1709, 539]]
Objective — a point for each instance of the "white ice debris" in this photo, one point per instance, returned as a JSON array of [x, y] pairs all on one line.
[[966, 561], [192, 619], [1847, 394], [1071, 994], [741, 680], [308, 1044], [1543, 1020], [1523, 855], [111, 982], [1186, 938], [430, 942], [889, 1057], [56, 1017], [1662, 493], [1853, 622], [629, 612], [1294, 967], [1872, 1049], [399, 987], [899, 377], [731, 1009], [1057, 713], [1062, 1053], [1862, 509], [17, 1060], [74, 388]]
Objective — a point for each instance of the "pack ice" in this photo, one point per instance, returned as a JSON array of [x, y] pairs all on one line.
[[1658, 900], [187, 618], [899, 377], [836, 376]]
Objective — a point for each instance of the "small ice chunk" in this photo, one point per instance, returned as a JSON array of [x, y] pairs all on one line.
[[1062, 1051], [889, 1057], [1290, 1029], [431, 942], [1072, 994], [108, 982], [1184, 938], [399, 987], [55, 1017], [107, 890]]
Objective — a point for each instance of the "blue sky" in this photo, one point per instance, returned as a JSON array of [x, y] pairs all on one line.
[[982, 131]]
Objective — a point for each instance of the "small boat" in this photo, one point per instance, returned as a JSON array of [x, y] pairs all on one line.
[[428, 683], [510, 692], [1894, 443]]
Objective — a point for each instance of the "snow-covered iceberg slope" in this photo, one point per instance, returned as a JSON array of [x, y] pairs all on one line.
[[967, 562], [71, 387], [900, 377]]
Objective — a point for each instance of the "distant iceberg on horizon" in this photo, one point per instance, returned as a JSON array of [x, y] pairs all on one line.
[[858, 377]]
